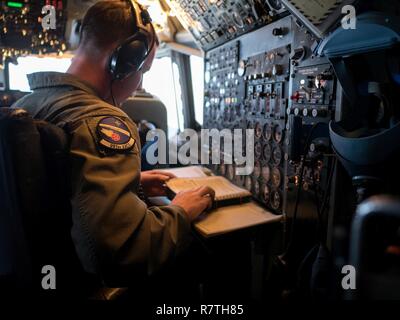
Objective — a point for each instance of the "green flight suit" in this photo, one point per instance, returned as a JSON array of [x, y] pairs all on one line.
[[115, 234]]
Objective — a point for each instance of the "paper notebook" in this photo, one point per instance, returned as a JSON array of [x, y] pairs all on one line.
[[224, 218], [226, 193]]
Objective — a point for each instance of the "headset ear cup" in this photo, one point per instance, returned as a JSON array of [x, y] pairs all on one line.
[[128, 58], [135, 53], [113, 62]]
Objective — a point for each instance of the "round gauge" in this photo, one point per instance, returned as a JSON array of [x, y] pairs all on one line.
[[265, 193], [256, 188], [275, 200], [267, 151], [278, 133], [267, 131], [257, 170], [276, 177], [259, 130], [266, 173], [230, 172], [257, 150], [248, 183], [275, 4], [277, 155], [242, 68]]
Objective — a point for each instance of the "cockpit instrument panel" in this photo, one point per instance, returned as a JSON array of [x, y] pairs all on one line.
[[215, 22]]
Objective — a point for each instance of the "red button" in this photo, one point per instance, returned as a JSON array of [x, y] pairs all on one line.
[[296, 96]]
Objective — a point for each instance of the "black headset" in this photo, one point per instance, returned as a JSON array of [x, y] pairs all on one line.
[[131, 54]]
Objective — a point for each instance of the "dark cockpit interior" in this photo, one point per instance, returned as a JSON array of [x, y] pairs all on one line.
[[287, 110]]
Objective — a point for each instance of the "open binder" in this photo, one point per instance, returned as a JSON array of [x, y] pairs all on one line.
[[227, 217], [226, 193]]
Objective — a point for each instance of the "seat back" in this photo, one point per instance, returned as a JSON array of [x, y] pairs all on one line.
[[35, 217], [375, 249], [149, 113], [144, 106]]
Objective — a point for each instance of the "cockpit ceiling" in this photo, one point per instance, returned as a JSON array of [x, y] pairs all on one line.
[[21, 31], [166, 23]]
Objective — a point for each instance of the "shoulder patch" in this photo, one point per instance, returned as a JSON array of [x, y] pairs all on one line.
[[114, 134]]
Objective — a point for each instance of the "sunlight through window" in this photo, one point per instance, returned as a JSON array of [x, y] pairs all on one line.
[[28, 65]]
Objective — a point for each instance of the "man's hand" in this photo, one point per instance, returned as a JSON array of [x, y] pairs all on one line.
[[195, 201], [153, 182]]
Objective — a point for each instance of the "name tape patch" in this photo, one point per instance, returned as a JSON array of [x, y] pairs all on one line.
[[114, 134]]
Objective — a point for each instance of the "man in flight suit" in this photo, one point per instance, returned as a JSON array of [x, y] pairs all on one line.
[[115, 234]]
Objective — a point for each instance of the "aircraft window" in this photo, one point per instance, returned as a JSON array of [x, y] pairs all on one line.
[[197, 70], [162, 80], [27, 65]]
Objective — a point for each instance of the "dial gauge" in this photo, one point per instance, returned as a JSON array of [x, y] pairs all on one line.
[[266, 173], [275, 200], [276, 177], [267, 151], [257, 150], [267, 131], [278, 133]]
